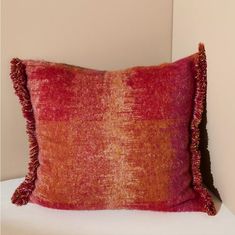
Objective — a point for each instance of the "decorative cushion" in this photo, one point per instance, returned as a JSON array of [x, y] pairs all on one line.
[[124, 139]]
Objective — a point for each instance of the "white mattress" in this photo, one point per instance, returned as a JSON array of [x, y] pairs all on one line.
[[36, 220]]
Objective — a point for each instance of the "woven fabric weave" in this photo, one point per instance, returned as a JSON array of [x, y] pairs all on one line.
[[124, 139]]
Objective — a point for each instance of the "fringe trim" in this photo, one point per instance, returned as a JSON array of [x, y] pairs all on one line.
[[199, 101], [18, 75]]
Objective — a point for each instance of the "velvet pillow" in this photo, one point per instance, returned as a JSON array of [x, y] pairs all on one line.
[[124, 139]]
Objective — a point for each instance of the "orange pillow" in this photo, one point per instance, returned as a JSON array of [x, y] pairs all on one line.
[[113, 139]]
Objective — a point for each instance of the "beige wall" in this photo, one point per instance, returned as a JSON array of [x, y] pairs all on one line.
[[104, 34], [111, 34], [212, 21]]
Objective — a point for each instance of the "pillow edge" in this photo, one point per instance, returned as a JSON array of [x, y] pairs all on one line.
[[200, 67], [21, 195]]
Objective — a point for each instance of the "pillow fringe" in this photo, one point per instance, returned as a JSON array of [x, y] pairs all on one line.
[[18, 75], [199, 101]]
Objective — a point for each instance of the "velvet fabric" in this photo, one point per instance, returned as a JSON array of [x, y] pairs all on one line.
[[124, 139]]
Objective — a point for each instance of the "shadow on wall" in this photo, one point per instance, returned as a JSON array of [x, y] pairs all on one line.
[[205, 160]]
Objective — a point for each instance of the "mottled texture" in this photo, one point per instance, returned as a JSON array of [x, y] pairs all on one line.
[[114, 139]]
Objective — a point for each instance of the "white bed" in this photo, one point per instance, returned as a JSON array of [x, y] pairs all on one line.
[[36, 220]]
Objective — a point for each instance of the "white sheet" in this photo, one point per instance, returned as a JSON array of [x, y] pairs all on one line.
[[36, 220]]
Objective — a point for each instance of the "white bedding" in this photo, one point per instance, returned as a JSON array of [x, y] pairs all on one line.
[[36, 220]]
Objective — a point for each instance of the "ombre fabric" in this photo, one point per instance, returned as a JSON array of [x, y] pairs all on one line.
[[125, 139]]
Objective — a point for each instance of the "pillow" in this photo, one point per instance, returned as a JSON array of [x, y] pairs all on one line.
[[124, 139]]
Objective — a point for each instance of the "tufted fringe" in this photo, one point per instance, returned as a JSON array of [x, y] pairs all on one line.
[[19, 78], [199, 102]]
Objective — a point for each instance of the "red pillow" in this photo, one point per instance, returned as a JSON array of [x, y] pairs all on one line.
[[113, 139]]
